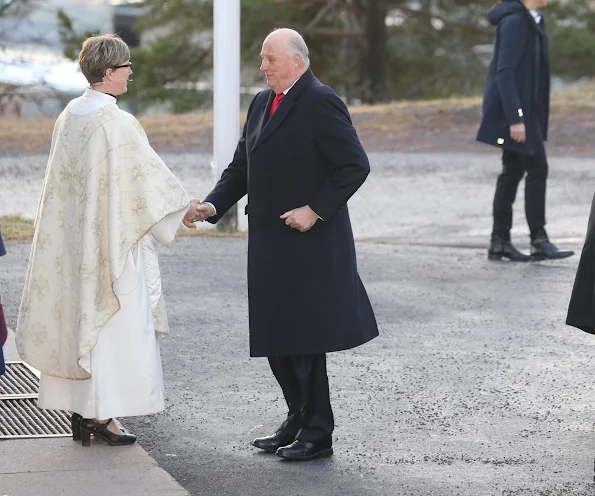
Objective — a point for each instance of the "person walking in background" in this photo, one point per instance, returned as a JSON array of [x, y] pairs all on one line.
[[299, 160], [92, 302], [515, 118]]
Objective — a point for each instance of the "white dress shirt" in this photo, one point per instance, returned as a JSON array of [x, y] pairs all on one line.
[[536, 16]]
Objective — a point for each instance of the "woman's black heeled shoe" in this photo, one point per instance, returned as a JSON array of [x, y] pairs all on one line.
[[75, 425], [90, 426]]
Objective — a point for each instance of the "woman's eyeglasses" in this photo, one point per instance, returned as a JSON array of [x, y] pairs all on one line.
[[129, 64]]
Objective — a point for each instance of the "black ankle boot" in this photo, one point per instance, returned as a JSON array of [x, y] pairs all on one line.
[[543, 249], [500, 249], [75, 425], [99, 429]]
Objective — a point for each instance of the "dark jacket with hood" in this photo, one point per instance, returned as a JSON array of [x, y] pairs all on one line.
[[518, 80]]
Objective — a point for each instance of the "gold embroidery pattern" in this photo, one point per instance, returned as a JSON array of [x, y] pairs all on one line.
[[138, 174], [60, 219], [139, 205], [171, 184], [83, 320], [103, 184], [88, 272], [97, 227], [39, 333], [154, 165], [44, 240], [57, 312], [58, 265], [72, 175], [41, 287], [116, 176]]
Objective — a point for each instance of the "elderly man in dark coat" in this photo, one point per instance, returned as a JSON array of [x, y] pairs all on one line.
[[299, 160], [515, 118]]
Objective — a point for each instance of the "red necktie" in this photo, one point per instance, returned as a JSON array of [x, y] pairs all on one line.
[[276, 103]]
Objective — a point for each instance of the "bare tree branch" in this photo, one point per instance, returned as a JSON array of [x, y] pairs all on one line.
[[321, 13]]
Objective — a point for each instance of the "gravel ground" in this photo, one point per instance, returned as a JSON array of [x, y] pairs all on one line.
[[475, 386]]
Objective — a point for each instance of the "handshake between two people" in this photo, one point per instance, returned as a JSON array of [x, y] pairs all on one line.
[[301, 219], [197, 212]]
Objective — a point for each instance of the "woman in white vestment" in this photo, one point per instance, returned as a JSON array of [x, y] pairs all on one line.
[[92, 304]]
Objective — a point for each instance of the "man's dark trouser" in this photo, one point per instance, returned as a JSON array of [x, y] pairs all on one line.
[[304, 382], [514, 167]]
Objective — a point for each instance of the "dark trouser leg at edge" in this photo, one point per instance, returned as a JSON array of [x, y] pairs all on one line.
[[535, 188], [535, 192], [283, 370], [304, 382], [513, 169], [316, 420], [286, 433]]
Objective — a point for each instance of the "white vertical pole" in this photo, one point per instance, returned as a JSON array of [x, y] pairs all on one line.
[[226, 91]]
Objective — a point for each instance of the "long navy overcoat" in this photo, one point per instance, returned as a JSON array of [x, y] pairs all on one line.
[[304, 292]]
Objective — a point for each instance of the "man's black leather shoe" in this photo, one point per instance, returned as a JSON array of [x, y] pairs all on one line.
[[302, 450], [543, 249], [500, 249], [274, 442]]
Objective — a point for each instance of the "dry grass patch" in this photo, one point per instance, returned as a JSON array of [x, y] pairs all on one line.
[[26, 135], [172, 131], [406, 123], [180, 131], [211, 232], [16, 229]]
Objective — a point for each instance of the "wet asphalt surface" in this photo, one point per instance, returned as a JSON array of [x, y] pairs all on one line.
[[475, 386]]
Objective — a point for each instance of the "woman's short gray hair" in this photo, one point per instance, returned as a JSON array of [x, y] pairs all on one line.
[[100, 53]]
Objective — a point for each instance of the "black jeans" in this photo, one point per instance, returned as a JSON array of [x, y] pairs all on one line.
[[514, 167], [304, 382]]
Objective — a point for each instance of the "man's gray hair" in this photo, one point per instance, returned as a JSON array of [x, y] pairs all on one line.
[[296, 45]]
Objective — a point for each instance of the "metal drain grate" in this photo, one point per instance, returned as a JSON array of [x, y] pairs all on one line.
[[18, 382], [19, 416]]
